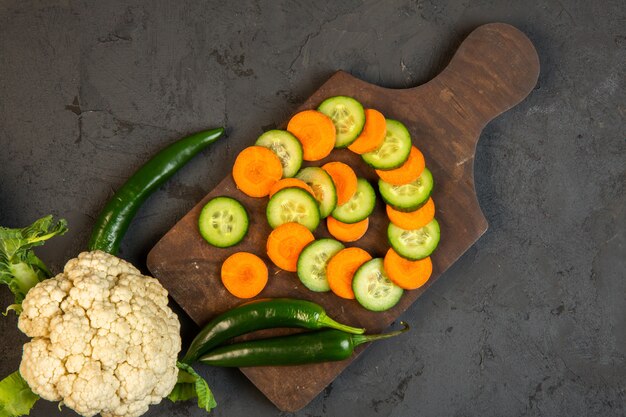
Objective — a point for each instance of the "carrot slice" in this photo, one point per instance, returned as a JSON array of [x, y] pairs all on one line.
[[407, 274], [347, 232], [315, 131], [407, 172], [244, 274], [256, 169], [344, 178], [413, 219], [341, 268], [290, 182], [373, 133], [286, 242]]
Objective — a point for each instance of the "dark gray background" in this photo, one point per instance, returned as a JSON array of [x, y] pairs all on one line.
[[531, 321]]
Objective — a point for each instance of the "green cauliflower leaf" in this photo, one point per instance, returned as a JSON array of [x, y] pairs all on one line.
[[190, 385], [20, 269], [16, 398]]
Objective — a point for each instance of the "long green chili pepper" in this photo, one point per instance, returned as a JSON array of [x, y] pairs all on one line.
[[116, 216], [312, 347], [262, 314]]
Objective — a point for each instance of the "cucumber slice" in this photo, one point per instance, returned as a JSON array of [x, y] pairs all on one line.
[[360, 206], [373, 289], [223, 222], [348, 117], [408, 197], [312, 263], [293, 204], [286, 146], [323, 188], [414, 244], [394, 150]]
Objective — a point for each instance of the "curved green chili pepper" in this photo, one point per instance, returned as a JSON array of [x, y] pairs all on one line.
[[262, 314], [116, 216], [298, 349]]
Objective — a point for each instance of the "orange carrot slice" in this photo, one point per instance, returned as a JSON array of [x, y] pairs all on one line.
[[373, 133], [290, 182], [407, 274], [286, 242], [341, 268], [315, 131], [347, 232], [244, 274], [407, 172], [256, 169], [344, 178], [413, 219]]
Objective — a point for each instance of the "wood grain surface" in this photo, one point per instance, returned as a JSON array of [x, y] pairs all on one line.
[[494, 69]]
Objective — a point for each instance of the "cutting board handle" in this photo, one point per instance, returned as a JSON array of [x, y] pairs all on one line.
[[495, 68]]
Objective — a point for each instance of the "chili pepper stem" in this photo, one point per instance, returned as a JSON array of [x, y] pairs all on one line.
[[328, 322], [359, 339]]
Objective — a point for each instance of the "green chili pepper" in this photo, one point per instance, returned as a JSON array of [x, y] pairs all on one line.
[[262, 314], [116, 216], [298, 349]]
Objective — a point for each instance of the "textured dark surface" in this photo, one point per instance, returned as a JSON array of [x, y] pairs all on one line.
[[530, 322]]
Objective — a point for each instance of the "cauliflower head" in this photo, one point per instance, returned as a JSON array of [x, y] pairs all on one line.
[[103, 338]]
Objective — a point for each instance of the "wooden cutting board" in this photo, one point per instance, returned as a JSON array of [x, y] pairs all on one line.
[[494, 69]]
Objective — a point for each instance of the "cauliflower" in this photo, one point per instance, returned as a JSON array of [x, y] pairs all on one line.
[[103, 338]]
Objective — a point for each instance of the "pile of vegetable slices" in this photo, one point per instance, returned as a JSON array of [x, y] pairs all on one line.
[[300, 198]]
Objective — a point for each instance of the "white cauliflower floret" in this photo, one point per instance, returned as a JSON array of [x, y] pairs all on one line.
[[104, 339], [90, 391], [44, 306], [42, 369]]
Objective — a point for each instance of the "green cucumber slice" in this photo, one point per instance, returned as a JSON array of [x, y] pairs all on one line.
[[223, 222], [408, 197], [293, 205], [348, 117], [360, 206], [373, 289], [395, 149], [312, 263], [323, 188], [286, 146], [414, 244]]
